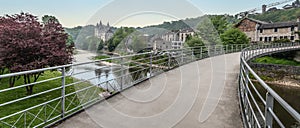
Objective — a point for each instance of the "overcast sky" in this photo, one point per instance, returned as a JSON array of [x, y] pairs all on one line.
[[73, 13]]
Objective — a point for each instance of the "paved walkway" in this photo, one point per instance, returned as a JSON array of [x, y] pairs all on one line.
[[201, 94]]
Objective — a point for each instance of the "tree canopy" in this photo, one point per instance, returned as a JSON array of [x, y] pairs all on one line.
[[26, 44], [118, 37], [234, 36]]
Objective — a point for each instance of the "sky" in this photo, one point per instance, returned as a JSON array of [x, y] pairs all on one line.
[[72, 13]]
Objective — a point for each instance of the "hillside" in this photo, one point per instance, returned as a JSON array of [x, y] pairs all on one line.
[[278, 15], [190, 22]]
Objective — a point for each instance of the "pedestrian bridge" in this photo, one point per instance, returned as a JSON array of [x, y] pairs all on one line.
[[209, 86]]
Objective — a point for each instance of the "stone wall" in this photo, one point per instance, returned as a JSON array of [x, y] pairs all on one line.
[[269, 69]]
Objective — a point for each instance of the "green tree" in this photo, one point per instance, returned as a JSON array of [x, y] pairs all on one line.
[[138, 43], [47, 18], [208, 32], [220, 23], [197, 45], [100, 46], [118, 37], [234, 36], [282, 41], [194, 42]]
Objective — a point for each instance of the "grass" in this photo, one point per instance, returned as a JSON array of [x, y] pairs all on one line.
[[273, 60], [48, 111]]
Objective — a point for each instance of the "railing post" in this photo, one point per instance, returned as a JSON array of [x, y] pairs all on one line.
[[63, 92], [215, 50], [268, 115], [201, 52], [169, 61], [181, 56], [122, 74], [192, 54], [226, 49], [208, 51], [150, 70]]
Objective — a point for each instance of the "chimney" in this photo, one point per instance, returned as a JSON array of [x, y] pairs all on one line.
[[264, 8]]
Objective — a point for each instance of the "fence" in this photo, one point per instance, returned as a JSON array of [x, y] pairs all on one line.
[[260, 104], [63, 91]]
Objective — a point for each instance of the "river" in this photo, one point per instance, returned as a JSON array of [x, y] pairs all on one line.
[[89, 72]]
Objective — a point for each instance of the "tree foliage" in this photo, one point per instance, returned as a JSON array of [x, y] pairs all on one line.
[[26, 44], [208, 32], [220, 23], [93, 43], [100, 46], [234, 36], [138, 42], [282, 41], [47, 18], [74, 32], [196, 43], [278, 15], [118, 37], [83, 35]]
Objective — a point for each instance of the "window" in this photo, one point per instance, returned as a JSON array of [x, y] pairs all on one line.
[[261, 30], [266, 39], [281, 37], [285, 37], [292, 28], [270, 38], [275, 38], [292, 37], [260, 39], [275, 29]]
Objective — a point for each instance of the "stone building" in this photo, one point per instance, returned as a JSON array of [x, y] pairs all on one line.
[[260, 31], [104, 32]]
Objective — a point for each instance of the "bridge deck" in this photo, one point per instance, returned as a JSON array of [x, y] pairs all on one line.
[[183, 98]]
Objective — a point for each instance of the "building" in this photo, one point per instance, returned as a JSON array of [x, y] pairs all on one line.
[[260, 31], [171, 36], [104, 32], [161, 44], [176, 38], [183, 34]]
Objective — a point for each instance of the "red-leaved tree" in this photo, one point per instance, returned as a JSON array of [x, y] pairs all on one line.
[[26, 44]]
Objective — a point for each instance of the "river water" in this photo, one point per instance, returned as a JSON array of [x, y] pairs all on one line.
[[89, 72]]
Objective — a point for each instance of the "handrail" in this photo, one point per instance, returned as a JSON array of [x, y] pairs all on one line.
[[153, 63], [245, 72]]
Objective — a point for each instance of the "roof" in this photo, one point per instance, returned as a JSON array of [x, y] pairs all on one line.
[[253, 20], [278, 25], [266, 25], [187, 30], [257, 21]]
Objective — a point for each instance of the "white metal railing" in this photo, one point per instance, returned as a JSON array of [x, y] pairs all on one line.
[[258, 106], [57, 102]]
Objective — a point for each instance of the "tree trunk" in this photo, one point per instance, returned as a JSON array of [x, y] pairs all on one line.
[[27, 80], [12, 81]]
